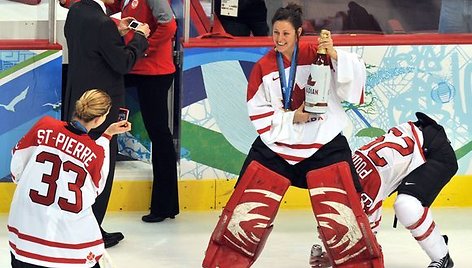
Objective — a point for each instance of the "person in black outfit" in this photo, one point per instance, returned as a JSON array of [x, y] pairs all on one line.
[[251, 18], [98, 58]]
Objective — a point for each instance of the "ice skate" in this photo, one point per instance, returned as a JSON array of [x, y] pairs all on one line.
[[445, 262]]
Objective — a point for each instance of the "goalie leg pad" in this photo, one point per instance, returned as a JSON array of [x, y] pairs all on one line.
[[246, 220], [342, 224]]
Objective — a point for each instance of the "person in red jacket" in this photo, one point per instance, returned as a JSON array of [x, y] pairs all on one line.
[[153, 76]]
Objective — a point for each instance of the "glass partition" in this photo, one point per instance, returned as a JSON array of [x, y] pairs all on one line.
[[364, 16], [360, 16], [30, 19]]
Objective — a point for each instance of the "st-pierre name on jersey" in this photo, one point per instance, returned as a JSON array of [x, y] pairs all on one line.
[[66, 144]]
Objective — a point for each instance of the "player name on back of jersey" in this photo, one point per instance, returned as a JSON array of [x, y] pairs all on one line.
[[363, 167], [67, 144]]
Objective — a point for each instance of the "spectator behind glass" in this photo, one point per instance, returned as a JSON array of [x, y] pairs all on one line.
[[455, 16], [355, 20], [251, 18], [153, 76], [99, 58], [59, 170], [359, 20]]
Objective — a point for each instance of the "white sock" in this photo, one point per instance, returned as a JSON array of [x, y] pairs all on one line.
[[419, 221]]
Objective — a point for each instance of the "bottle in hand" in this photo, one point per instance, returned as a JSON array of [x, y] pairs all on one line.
[[319, 80]]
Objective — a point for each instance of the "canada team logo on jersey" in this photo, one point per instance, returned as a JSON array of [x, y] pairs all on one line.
[[250, 219], [134, 4], [298, 97], [91, 258]]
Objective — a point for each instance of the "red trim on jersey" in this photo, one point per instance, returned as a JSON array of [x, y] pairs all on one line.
[[420, 221], [259, 116], [49, 243], [291, 157], [427, 233], [417, 139], [47, 258], [107, 136], [301, 146], [375, 224], [375, 208], [263, 130]]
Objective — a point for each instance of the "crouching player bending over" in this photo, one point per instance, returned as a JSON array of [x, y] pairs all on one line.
[[416, 160]]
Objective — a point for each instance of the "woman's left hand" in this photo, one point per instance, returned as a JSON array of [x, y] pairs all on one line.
[[118, 128], [327, 43]]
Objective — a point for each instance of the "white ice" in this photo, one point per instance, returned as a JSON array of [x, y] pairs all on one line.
[[181, 242]]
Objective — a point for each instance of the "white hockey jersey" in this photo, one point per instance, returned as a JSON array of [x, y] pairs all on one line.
[[59, 174], [383, 163], [296, 142]]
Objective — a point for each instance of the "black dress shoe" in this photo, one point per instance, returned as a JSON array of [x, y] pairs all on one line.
[[118, 236], [154, 218], [110, 243]]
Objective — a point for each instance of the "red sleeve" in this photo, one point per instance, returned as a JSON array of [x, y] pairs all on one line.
[[164, 32], [113, 8], [255, 80], [96, 169], [30, 138]]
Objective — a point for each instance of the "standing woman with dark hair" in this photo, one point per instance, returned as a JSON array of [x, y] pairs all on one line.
[[153, 76], [291, 142], [60, 170]]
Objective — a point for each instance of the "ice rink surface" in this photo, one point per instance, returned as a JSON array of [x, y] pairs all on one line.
[[181, 242]]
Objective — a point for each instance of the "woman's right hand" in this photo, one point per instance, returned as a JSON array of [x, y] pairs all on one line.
[[300, 115], [144, 28], [118, 128]]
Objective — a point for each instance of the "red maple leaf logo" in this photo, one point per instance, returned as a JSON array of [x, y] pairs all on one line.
[[90, 256], [311, 82]]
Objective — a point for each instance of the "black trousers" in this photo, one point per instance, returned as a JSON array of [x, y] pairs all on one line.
[[101, 202], [233, 27], [335, 151], [19, 264], [152, 94]]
